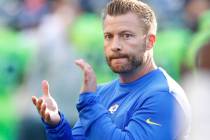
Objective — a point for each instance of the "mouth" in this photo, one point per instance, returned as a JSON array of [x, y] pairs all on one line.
[[118, 56], [118, 60]]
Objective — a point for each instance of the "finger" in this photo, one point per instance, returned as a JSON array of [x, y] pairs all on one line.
[[84, 65], [43, 110], [34, 100], [45, 88], [39, 103], [47, 117], [80, 63], [86, 68]]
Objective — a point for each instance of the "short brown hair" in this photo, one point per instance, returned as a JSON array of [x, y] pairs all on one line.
[[142, 10]]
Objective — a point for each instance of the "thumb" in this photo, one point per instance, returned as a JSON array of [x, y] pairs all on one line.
[[45, 88]]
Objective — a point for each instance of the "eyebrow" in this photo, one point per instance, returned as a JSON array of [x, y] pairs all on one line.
[[121, 32], [126, 31]]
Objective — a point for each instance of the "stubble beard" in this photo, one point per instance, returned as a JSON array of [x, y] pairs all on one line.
[[132, 64]]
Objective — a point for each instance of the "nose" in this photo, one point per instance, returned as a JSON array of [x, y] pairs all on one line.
[[116, 45]]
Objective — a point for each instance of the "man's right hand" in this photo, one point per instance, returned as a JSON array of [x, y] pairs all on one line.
[[46, 106]]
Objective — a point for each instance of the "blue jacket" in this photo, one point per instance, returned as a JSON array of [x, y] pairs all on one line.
[[154, 107]]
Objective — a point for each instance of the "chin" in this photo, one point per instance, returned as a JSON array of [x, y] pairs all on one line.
[[124, 69], [120, 69]]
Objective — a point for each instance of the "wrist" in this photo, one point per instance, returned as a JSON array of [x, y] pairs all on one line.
[[56, 127], [86, 99], [55, 119]]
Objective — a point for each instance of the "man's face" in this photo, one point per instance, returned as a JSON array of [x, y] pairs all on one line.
[[124, 43]]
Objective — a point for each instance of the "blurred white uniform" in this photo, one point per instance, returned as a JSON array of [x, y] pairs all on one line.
[[197, 88]]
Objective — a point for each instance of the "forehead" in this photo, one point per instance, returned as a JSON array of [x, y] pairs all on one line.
[[127, 21]]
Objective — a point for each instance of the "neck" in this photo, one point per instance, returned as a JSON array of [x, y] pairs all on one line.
[[147, 67]]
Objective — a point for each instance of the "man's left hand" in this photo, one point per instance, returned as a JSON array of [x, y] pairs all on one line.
[[89, 82]]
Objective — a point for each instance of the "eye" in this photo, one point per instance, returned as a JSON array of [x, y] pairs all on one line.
[[107, 36], [127, 36]]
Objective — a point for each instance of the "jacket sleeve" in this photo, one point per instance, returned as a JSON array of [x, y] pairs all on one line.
[[156, 119], [62, 131]]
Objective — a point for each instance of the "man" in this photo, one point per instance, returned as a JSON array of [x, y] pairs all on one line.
[[143, 104]]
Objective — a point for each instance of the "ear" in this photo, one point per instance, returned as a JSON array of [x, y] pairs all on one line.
[[151, 41]]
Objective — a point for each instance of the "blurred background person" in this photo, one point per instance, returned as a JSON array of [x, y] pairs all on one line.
[[197, 75], [54, 61], [197, 86], [32, 10]]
